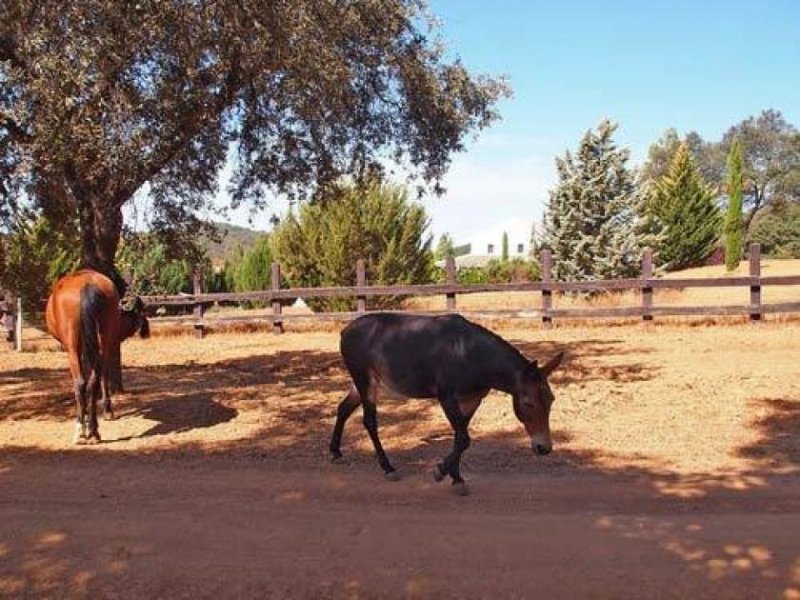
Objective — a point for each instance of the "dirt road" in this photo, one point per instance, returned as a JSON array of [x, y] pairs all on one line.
[[113, 528], [675, 474]]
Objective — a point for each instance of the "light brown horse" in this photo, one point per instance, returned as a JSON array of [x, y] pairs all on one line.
[[84, 314]]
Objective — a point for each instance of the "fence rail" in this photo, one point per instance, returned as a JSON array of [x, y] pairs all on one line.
[[646, 284], [273, 297]]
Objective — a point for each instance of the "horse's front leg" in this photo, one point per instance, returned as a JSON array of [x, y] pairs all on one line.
[[108, 410], [451, 465]]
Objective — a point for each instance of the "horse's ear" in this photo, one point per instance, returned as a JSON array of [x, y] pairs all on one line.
[[552, 364]]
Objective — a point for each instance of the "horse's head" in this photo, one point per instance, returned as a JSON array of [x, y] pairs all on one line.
[[133, 318], [532, 403]]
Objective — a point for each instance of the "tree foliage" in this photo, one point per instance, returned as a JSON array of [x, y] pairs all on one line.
[[496, 271], [684, 203], [153, 270], [444, 247], [733, 216], [771, 151], [36, 253], [504, 248], [706, 156], [592, 223], [320, 245], [777, 229], [253, 270], [101, 99]]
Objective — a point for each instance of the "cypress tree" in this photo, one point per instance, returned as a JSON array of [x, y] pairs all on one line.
[[504, 253], [733, 217], [445, 247], [591, 224], [685, 205]]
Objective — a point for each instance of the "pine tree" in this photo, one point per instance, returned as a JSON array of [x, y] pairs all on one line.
[[504, 251], [685, 205], [733, 217], [591, 223]]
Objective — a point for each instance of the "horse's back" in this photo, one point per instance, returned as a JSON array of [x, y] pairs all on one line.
[[64, 313], [414, 334], [410, 354]]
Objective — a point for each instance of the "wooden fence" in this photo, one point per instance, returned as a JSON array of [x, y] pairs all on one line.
[[546, 312]]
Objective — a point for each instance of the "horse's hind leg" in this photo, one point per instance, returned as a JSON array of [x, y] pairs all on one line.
[[93, 435], [346, 408], [79, 385], [368, 395]]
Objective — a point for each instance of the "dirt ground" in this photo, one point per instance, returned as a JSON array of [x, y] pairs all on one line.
[[675, 473]]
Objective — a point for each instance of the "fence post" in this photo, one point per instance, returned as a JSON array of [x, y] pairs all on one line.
[[647, 291], [277, 321], [18, 327], [547, 292], [450, 279], [755, 290], [361, 281], [197, 311]]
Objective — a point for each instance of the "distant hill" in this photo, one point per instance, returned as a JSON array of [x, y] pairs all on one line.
[[232, 236]]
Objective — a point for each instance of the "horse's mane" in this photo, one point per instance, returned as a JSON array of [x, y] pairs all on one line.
[[506, 345]]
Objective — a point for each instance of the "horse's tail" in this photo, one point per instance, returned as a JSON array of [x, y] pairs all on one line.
[[93, 304]]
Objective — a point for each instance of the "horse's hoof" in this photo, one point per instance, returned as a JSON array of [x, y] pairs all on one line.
[[79, 441], [93, 440], [438, 475], [337, 459], [459, 488], [109, 416], [392, 476]]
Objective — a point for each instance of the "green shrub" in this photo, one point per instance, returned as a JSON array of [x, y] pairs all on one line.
[[321, 244]]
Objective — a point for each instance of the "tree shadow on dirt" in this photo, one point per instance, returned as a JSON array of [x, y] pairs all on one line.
[[299, 391], [581, 358], [779, 424]]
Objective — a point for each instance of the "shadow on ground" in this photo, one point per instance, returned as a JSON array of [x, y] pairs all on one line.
[[300, 390]]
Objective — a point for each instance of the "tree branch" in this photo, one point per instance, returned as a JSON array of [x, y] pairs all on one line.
[[758, 200], [190, 124], [18, 134]]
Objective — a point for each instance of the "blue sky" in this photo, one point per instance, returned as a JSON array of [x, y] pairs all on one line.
[[701, 65]]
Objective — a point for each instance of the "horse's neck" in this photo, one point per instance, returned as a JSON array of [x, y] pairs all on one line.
[[505, 364]]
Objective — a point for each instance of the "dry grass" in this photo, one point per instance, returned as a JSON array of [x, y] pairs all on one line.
[[686, 297]]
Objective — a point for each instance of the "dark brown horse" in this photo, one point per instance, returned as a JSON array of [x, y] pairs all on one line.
[[447, 358], [84, 314]]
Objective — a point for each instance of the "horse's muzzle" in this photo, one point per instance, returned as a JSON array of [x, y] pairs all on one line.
[[541, 449], [541, 444]]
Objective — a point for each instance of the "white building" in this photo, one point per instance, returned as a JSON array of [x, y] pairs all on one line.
[[488, 244]]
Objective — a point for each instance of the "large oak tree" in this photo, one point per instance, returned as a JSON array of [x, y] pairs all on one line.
[[100, 97], [771, 153]]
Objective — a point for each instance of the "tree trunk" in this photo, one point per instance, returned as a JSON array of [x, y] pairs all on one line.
[[101, 228], [757, 205]]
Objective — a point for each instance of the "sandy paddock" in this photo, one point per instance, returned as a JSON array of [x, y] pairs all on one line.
[[675, 470]]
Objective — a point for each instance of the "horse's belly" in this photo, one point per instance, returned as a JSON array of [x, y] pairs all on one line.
[[387, 389]]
